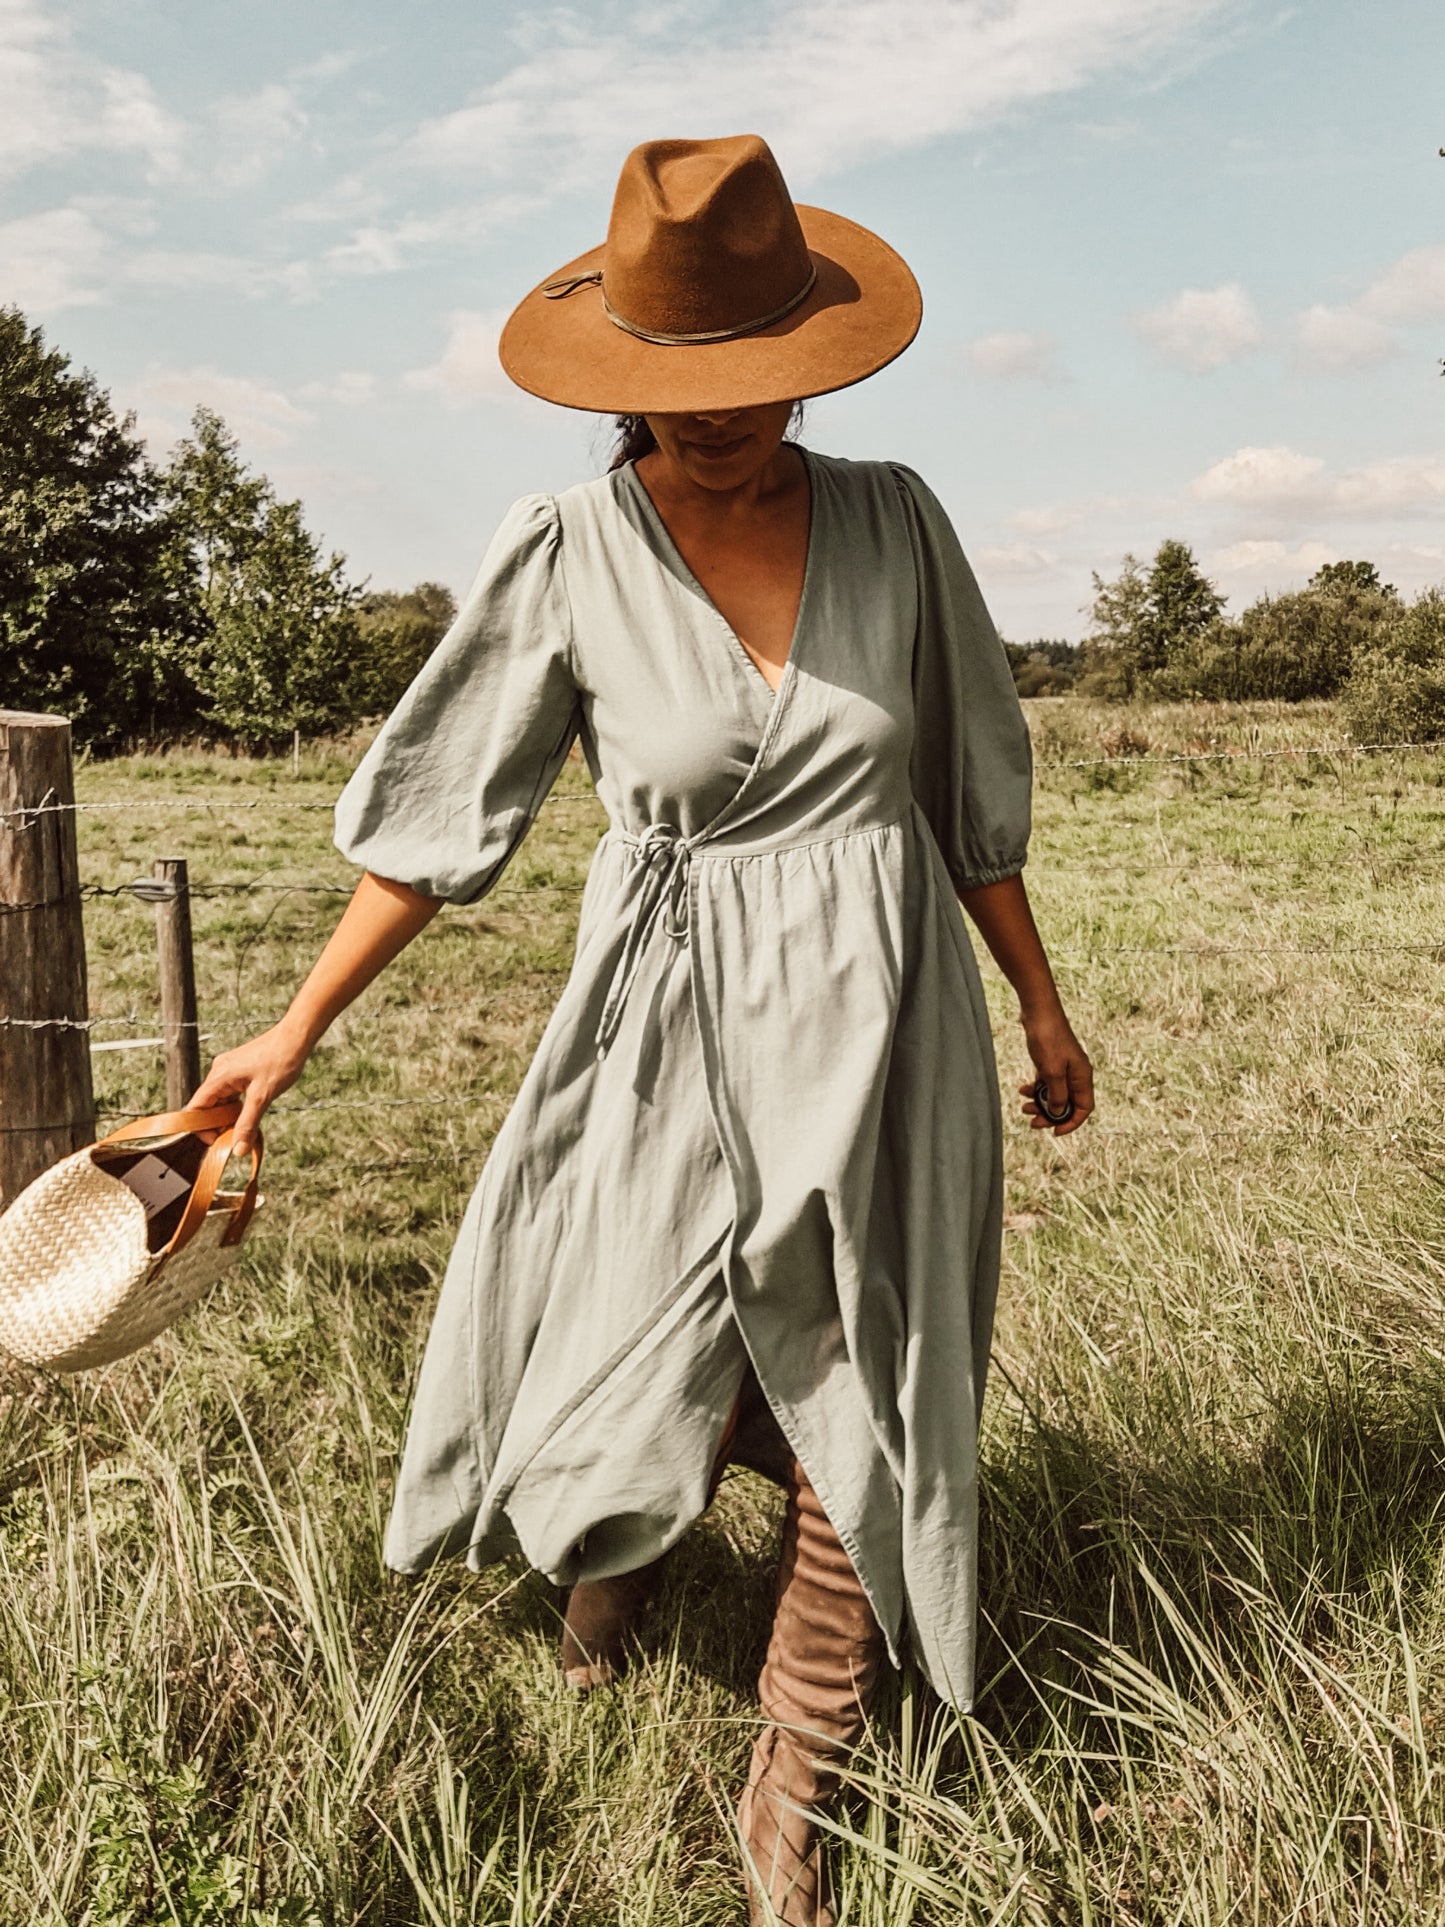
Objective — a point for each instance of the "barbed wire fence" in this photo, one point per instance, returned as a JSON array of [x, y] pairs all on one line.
[[148, 891], [1124, 759]]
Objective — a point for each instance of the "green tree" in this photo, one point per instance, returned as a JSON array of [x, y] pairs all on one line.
[[1180, 606], [1285, 648], [1114, 645], [1139, 622], [89, 602], [1350, 575], [272, 647], [396, 632], [1396, 690], [1047, 667]]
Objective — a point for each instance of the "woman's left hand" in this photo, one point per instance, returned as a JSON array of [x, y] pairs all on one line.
[[1062, 1062]]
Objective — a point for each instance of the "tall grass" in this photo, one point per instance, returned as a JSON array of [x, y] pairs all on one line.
[[1213, 1665]]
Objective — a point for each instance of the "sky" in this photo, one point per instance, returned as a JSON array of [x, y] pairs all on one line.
[[1183, 261]]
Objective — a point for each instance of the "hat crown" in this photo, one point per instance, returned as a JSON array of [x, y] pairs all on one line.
[[704, 238]]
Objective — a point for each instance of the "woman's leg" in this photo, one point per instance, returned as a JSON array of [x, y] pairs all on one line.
[[821, 1668], [602, 1614]]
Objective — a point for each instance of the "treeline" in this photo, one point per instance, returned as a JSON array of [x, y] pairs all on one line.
[[150, 602], [1160, 633], [1045, 668], [153, 602]]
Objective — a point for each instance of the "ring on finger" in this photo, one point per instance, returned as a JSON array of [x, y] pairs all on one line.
[[1050, 1116]]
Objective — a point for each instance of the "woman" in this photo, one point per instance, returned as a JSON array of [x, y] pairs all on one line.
[[747, 1203]]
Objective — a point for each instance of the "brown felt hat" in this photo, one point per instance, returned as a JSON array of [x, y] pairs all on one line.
[[713, 290]]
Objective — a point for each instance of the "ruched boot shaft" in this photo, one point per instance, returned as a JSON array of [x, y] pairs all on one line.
[[816, 1684]]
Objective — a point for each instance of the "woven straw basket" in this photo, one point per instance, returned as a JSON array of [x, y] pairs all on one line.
[[79, 1284]]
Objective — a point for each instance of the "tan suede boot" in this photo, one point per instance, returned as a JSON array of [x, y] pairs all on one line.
[[815, 1687], [602, 1614]]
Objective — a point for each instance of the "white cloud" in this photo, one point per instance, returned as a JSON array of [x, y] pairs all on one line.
[[76, 256], [248, 134], [1202, 328], [833, 82], [1045, 521], [372, 250], [1260, 475], [133, 119], [349, 389], [1402, 485], [383, 250], [1014, 559], [1411, 289], [348, 198], [468, 369], [1256, 561], [1260, 566], [187, 269], [1017, 357], [56, 101], [1360, 333], [387, 248], [1282, 481], [822, 78], [1337, 340], [53, 260], [257, 411]]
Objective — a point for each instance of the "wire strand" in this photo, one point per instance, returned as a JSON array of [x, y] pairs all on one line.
[[25, 817]]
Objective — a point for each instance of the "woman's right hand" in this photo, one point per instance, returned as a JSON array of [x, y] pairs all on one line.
[[256, 1071]]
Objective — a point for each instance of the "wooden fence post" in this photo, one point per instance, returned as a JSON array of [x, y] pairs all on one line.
[[47, 1101], [180, 1024]]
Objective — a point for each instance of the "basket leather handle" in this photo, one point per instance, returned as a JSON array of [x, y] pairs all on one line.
[[203, 1193], [167, 1123], [249, 1198]]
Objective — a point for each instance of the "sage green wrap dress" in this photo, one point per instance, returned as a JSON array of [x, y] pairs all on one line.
[[763, 1121]]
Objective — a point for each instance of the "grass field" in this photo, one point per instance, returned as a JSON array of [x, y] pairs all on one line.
[[1213, 1673]]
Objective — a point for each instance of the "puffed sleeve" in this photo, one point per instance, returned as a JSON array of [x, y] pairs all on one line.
[[450, 785], [972, 767]]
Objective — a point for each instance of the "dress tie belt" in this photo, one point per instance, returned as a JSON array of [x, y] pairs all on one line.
[[665, 853]]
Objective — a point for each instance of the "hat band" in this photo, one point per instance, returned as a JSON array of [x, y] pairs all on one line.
[[558, 290]]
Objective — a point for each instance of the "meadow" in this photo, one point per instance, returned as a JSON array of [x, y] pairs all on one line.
[[1212, 1681]]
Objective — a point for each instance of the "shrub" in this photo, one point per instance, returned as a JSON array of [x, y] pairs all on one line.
[[1044, 668], [1396, 690], [1124, 741], [396, 632], [1288, 648]]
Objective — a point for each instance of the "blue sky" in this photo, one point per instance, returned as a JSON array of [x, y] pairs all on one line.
[[1183, 261]]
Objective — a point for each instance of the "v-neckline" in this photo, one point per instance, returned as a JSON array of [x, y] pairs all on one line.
[[654, 514]]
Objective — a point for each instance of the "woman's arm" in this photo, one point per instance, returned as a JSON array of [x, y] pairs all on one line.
[[1006, 924], [378, 923]]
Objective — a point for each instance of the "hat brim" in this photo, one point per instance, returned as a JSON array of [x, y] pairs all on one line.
[[863, 310]]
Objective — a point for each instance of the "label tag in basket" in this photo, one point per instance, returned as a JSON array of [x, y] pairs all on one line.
[[155, 1182]]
